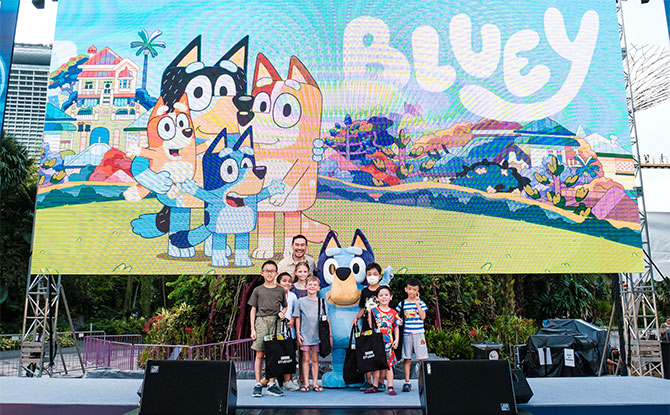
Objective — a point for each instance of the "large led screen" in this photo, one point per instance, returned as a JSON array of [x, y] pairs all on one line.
[[460, 137]]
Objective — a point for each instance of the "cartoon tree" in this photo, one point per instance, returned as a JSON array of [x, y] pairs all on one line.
[[147, 46], [66, 75], [553, 179]]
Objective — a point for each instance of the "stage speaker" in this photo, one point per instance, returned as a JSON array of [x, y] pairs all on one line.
[[522, 391], [189, 387], [465, 387]]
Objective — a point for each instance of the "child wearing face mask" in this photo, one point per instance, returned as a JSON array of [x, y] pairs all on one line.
[[387, 321], [373, 275]]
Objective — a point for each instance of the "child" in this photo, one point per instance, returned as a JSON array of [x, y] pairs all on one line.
[[285, 280], [301, 273], [373, 274], [267, 301], [307, 326], [414, 339], [387, 321]]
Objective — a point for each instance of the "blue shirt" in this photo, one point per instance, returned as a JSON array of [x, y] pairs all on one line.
[[413, 321]]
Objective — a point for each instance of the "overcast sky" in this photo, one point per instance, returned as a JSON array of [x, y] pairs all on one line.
[[645, 24]]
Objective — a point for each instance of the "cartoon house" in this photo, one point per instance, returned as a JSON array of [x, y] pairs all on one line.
[[618, 163], [106, 102], [546, 137]]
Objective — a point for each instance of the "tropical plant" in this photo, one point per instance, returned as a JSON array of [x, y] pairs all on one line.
[[147, 46], [510, 329], [177, 325], [18, 187], [566, 296]]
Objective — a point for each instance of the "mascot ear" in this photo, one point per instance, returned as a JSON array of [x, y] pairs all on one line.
[[330, 242], [361, 241]]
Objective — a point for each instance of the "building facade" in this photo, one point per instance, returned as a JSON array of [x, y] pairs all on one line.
[[27, 96]]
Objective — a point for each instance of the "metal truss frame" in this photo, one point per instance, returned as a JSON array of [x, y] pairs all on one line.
[[640, 316]]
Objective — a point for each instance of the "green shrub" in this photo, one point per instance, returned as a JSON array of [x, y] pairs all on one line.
[[511, 329]]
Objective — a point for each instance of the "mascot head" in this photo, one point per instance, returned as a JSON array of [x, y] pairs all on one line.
[[343, 269]]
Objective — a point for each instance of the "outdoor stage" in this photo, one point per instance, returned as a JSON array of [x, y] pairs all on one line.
[[593, 396]]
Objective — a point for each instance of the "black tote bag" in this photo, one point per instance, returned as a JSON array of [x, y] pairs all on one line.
[[324, 330], [370, 353], [401, 332], [350, 371], [280, 354]]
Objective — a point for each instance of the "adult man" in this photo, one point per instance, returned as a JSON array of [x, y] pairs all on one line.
[[298, 254]]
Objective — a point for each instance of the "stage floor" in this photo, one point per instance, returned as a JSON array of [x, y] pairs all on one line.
[[604, 395]]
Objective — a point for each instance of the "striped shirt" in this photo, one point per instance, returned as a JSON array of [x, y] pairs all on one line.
[[413, 322]]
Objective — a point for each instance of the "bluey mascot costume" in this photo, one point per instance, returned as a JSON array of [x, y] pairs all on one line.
[[342, 274]]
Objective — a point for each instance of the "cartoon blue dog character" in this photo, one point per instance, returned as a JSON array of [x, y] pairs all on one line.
[[233, 186], [342, 274]]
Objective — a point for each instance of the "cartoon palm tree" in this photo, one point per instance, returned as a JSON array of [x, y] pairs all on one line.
[[148, 46]]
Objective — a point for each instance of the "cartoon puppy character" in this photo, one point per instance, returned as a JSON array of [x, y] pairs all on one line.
[[172, 151], [233, 188], [287, 120]]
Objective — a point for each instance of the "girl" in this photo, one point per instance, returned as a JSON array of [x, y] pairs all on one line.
[[307, 326], [368, 300], [300, 290], [387, 321], [301, 274], [285, 280]]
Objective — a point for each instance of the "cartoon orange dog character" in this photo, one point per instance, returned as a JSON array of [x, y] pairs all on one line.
[[172, 154], [287, 120]]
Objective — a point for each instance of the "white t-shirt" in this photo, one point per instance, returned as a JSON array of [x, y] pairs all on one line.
[[290, 300]]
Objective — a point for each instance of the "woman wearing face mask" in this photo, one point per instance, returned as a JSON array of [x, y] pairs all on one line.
[[368, 301]]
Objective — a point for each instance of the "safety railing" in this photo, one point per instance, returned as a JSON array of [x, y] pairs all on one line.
[[131, 354]]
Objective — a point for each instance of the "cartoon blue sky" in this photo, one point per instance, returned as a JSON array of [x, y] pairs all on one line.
[[315, 34]]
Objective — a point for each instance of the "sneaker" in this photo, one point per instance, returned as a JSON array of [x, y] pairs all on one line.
[[372, 389], [406, 387], [392, 391], [382, 387], [258, 391], [365, 386], [275, 390], [291, 386]]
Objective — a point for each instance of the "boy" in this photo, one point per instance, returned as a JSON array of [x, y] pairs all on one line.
[[373, 274], [307, 327], [267, 301], [285, 280], [413, 312]]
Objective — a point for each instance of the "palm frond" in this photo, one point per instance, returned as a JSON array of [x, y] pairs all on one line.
[[143, 36], [154, 35]]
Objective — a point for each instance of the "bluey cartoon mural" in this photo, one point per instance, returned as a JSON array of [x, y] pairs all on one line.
[[468, 139]]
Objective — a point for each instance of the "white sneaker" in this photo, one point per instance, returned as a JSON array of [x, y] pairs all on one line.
[[291, 386]]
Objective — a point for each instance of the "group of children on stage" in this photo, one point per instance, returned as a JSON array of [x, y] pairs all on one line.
[[294, 298]]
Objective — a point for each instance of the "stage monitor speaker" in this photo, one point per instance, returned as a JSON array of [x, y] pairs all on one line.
[[466, 387], [173, 387], [522, 390]]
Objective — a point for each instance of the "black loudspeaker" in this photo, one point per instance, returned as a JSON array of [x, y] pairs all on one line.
[[464, 387], [189, 387], [522, 391]]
